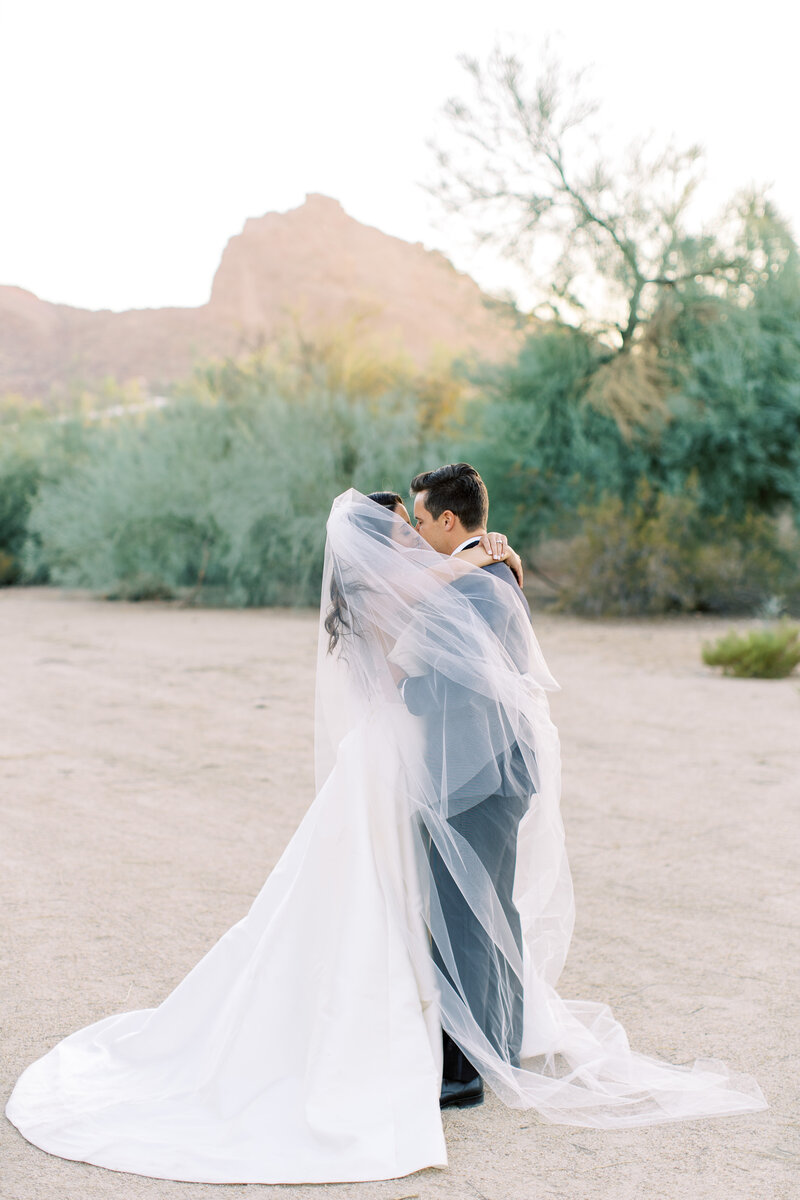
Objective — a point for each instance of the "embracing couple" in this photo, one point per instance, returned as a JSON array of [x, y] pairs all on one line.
[[406, 947]]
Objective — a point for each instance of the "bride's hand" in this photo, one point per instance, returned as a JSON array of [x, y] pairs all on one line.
[[495, 545]]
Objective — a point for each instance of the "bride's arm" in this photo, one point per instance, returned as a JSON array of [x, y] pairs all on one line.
[[492, 548]]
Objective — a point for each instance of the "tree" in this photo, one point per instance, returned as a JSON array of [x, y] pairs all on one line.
[[735, 411], [542, 450], [525, 167]]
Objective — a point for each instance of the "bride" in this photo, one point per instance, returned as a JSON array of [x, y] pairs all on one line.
[[307, 1045]]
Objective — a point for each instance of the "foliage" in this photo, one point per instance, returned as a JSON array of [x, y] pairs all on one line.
[[734, 415], [672, 352], [661, 554], [542, 446], [223, 494], [524, 160], [19, 479], [729, 416], [34, 450], [759, 654]]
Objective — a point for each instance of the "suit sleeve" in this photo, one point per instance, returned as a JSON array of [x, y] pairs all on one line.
[[433, 690], [430, 692]]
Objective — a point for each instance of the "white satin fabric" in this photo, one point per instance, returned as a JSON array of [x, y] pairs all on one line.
[[304, 1047]]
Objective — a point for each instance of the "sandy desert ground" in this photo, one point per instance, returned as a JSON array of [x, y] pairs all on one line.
[[155, 761]]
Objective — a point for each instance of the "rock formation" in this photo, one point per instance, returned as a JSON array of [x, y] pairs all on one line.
[[312, 266]]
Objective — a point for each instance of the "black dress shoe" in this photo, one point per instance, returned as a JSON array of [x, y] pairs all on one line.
[[456, 1094]]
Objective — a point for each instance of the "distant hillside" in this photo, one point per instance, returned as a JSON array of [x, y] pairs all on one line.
[[313, 266]]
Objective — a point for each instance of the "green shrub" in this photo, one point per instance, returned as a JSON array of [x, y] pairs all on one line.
[[661, 555], [20, 473], [709, 390], [540, 447], [33, 449], [759, 654], [222, 495], [735, 413]]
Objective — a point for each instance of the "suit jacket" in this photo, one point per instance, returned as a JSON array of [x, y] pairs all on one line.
[[470, 749]]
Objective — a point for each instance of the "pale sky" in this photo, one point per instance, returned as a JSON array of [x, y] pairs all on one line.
[[137, 137]]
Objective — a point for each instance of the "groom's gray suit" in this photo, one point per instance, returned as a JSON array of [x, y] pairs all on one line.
[[486, 810]]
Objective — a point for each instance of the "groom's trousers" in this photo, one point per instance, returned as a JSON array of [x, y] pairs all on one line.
[[486, 981]]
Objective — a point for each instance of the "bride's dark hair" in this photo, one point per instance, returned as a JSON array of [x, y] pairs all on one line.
[[336, 620], [386, 499]]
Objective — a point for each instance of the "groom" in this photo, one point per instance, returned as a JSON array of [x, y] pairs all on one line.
[[451, 507]]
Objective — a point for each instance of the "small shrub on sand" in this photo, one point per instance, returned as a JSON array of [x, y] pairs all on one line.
[[761, 654]]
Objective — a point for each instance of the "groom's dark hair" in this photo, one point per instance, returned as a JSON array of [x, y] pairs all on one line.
[[457, 487]]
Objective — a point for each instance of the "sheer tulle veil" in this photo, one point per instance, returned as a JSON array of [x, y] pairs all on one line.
[[393, 608]]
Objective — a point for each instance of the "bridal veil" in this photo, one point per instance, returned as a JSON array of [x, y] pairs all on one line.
[[453, 644]]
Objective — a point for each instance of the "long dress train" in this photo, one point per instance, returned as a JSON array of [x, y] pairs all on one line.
[[269, 1062]]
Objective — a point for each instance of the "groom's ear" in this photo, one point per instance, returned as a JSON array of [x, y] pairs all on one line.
[[448, 520]]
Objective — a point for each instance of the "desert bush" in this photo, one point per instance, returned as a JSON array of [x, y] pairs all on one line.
[[33, 450], [662, 554], [19, 480], [734, 417], [222, 496], [541, 448], [760, 654]]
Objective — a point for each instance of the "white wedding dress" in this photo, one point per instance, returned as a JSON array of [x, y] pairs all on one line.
[[306, 1046], [271, 1062]]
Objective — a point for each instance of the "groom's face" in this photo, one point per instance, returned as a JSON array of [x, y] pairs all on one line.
[[437, 532]]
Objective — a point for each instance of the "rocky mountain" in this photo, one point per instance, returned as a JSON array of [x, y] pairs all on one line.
[[312, 266]]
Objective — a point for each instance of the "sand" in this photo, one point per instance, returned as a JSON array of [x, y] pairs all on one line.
[[154, 761]]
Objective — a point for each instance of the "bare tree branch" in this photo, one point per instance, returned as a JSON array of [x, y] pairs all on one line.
[[525, 166]]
